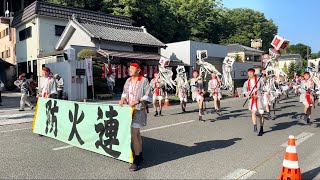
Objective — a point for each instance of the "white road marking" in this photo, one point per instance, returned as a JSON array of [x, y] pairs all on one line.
[[170, 125], [240, 174], [63, 147], [14, 130], [300, 138], [9, 122]]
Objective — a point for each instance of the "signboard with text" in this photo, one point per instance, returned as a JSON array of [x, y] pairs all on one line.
[[100, 128]]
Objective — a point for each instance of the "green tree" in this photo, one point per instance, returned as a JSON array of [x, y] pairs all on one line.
[[300, 66], [238, 58], [285, 68], [247, 24], [299, 48], [86, 52], [315, 55], [291, 70]]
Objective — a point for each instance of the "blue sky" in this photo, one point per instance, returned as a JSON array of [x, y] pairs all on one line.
[[297, 20]]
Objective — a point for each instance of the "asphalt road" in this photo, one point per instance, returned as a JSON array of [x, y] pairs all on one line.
[[176, 146]]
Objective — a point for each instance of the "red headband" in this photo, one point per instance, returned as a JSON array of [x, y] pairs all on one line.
[[46, 69], [195, 71], [135, 65], [251, 70]]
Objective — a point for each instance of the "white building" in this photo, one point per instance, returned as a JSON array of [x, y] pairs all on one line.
[[315, 64], [288, 59], [39, 27], [186, 51]]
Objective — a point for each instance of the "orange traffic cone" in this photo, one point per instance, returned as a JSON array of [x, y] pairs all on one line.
[[290, 167], [166, 102]]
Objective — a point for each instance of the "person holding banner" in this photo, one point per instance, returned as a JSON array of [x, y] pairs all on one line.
[[136, 93], [197, 91], [253, 91], [306, 97], [214, 89], [157, 88], [48, 87]]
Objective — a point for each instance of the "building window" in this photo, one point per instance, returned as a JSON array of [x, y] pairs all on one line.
[[8, 53], [243, 73], [6, 32], [25, 34], [145, 49], [59, 30]]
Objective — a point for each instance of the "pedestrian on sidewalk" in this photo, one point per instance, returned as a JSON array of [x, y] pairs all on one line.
[[255, 87], [136, 93], [196, 84], [60, 85], [25, 88], [48, 87], [214, 89], [157, 86], [1, 89]]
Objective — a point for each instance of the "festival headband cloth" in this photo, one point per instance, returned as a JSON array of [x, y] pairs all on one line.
[[46, 69], [135, 65], [195, 71], [251, 70]]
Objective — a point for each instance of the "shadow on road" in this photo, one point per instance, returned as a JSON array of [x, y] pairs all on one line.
[[284, 125], [161, 151], [311, 174]]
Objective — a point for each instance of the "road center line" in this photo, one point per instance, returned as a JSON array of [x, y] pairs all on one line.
[[238, 174], [63, 147], [170, 125], [14, 130], [300, 138]]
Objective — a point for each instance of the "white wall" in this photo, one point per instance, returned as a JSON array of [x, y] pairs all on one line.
[[214, 50], [240, 70], [27, 49], [47, 37], [74, 86], [177, 51]]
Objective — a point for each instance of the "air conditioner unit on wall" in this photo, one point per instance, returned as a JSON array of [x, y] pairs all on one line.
[[71, 54]]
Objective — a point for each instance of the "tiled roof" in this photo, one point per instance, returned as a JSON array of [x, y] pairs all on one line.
[[119, 33], [289, 56], [241, 48], [129, 55], [153, 58], [59, 11]]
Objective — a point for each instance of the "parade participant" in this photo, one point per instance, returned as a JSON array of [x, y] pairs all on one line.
[[296, 84], [197, 91], [182, 90], [136, 93], [266, 95], [306, 96], [24, 85], [255, 99], [48, 87], [157, 91], [214, 89]]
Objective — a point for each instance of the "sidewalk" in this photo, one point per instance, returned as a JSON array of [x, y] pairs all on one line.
[[12, 100]]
